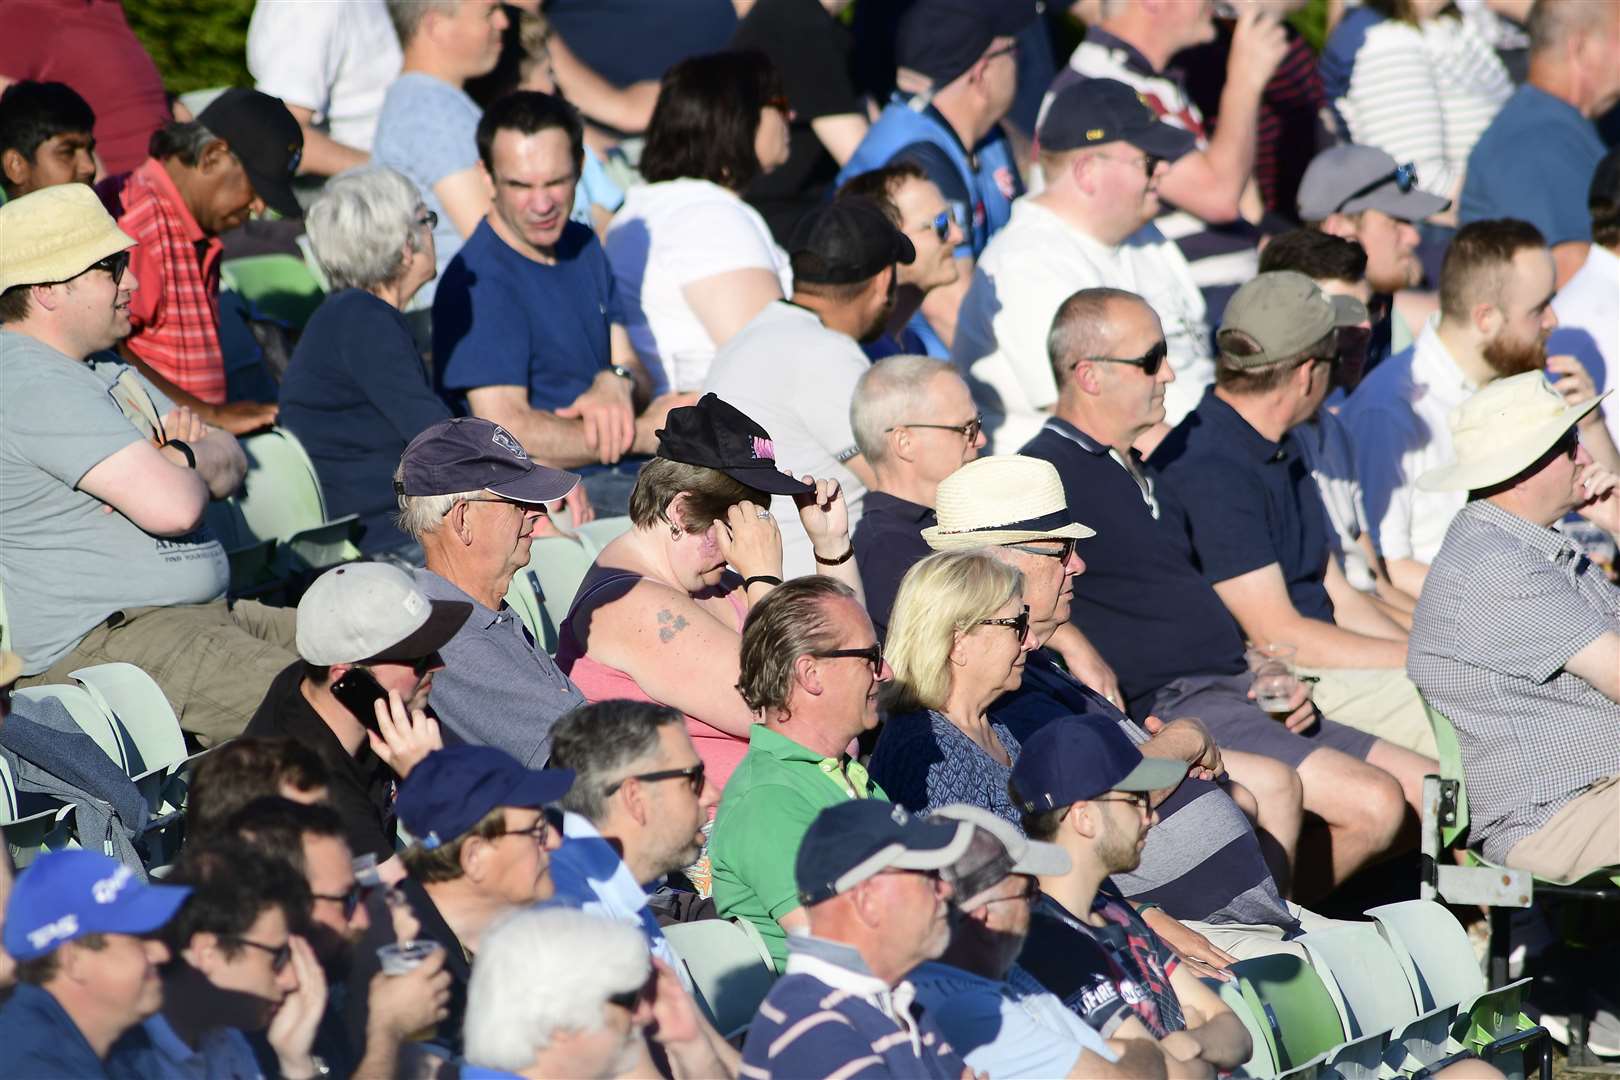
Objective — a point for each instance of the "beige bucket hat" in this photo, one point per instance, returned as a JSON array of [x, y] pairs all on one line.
[[1502, 430], [1005, 499], [55, 233]]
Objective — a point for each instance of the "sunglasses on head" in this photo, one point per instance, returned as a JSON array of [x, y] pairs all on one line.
[[1404, 178], [1149, 362]]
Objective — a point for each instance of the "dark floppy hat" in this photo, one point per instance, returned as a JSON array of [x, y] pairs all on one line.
[[715, 435]]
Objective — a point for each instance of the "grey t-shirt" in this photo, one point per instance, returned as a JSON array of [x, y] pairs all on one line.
[[65, 563], [428, 130]]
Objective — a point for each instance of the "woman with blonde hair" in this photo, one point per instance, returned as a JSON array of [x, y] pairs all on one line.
[[957, 642]]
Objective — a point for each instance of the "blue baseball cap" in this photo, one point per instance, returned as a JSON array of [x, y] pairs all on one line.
[[466, 453], [66, 894], [1075, 758], [452, 789], [855, 840], [1095, 112], [943, 38]]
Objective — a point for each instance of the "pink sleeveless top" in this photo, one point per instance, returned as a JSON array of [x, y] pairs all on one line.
[[720, 750]]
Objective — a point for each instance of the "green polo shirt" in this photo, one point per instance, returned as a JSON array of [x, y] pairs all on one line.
[[770, 800]]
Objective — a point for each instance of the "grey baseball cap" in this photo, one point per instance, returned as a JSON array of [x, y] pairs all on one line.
[[365, 612], [1279, 315], [1349, 179]]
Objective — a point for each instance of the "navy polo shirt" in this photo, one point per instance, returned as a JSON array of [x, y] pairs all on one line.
[[888, 542], [1249, 502], [41, 1041], [502, 319], [1141, 601], [1535, 162]]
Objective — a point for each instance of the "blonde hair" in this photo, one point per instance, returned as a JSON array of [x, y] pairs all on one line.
[[947, 592]]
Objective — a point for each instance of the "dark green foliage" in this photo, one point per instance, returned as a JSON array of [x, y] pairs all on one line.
[[195, 43]]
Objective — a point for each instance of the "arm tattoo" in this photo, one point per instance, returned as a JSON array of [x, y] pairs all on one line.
[[669, 625]]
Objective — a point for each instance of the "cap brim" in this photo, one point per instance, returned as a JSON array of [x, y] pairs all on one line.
[[144, 911], [905, 252], [538, 787], [1348, 311], [1042, 859], [1412, 205], [940, 540], [445, 618], [540, 485], [933, 847], [276, 191], [770, 480], [1511, 460], [1153, 774], [1164, 141]]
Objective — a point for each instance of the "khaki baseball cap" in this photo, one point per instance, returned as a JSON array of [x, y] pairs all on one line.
[[1283, 313], [54, 234]]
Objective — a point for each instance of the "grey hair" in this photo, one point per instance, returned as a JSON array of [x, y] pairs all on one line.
[[1081, 328], [408, 15], [183, 139], [421, 514], [601, 741], [885, 392], [545, 970], [361, 224], [1553, 23]]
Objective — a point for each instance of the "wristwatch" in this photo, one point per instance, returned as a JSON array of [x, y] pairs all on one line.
[[622, 372]]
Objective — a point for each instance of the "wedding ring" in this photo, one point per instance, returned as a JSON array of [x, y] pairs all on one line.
[[764, 514]]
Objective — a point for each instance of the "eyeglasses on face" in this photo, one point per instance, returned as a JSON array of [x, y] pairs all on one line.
[[419, 667], [1138, 799], [628, 1000], [969, 431], [872, 654], [1567, 446], [1019, 623], [539, 832], [1149, 162], [1062, 554], [1029, 894], [427, 219], [692, 774], [1149, 362], [280, 955], [940, 225], [115, 264], [1404, 178], [350, 900]]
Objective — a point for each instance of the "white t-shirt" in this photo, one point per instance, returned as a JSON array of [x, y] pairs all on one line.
[[795, 378], [666, 236], [1031, 267], [336, 59], [1332, 458], [1588, 327]]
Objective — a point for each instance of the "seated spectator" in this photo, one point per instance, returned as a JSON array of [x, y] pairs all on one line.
[[846, 259], [527, 330], [959, 59], [702, 550], [47, 136], [1496, 290], [625, 825], [330, 64], [249, 768], [564, 993], [239, 968], [355, 393], [1584, 309], [1003, 1022], [482, 851], [1209, 192], [1416, 81], [1086, 944], [1101, 150], [811, 668], [427, 124], [499, 688], [1516, 639], [1574, 78], [875, 905], [79, 927], [694, 263], [204, 177], [368, 647], [1359, 193], [914, 205], [104, 558], [1260, 533], [956, 644]]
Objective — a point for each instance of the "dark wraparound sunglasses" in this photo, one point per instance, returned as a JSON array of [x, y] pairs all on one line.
[[115, 264], [1404, 177], [1149, 362], [872, 654], [350, 900], [692, 774]]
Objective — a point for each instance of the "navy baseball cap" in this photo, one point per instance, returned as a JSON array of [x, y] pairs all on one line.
[[718, 436], [845, 241], [943, 38], [1095, 112], [67, 894], [859, 839], [1076, 758], [466, 453], [265, 139], [452, 789]]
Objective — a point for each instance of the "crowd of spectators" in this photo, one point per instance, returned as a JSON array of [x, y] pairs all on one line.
[[985, 431]]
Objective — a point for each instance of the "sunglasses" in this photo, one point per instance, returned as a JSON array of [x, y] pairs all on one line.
[[1019, 623], [350, 900], [941, 224], [1031, 893], [1062, 554], [629, 999], [1404, 177], [115, 264], [872, 654], [1149, 162], [280, 956], [428, 219], [969, 431], [692, 774], [1149, 362], [1568, 446]]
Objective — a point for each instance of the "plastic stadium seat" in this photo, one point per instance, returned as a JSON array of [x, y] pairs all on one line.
[[94, 720], [1260, 1063], [47, 827], [1434, 952], [281, 501], [154, 745], [603, 531], [280, 286], [1301, 1018], [557, 564], [730, 976], [5, 624]]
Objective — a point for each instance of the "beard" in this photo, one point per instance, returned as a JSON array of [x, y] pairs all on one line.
[[1118, 849], [1507, 357], [880, 321]]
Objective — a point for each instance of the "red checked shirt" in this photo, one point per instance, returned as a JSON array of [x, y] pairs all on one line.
[[174, 311]]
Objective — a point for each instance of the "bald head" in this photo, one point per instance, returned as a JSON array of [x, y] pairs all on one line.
[[1087, 324], [1555, 24]]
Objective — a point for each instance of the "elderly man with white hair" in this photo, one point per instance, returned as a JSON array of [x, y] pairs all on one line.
[[557, 992]]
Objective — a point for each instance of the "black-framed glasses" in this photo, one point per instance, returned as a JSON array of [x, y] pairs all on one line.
[[969, 431], [1404, 178], [419, 667], [1030, 893], [1062, 554], [1568, 445], [350, 900], [1019, 623], [1138, 799], [1149, 362], [1149, 162], [629, 999], [872, 654], [115, 264], [692, 774], [538, 832], [280, 955], [428, 219]]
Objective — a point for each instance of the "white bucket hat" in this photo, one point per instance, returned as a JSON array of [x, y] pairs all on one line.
[[1005, 499], [1502, 430]]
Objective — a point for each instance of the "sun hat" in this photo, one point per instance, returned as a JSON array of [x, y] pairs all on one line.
[[1004, 499], [65, 895], [852, 841], [985, 865], [1283, 313], [370, 612], [55, 233], [1503, 430]]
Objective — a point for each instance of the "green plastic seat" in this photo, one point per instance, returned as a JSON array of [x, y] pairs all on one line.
[[1260, 1063], [281, 501], [280, 286], [726, 968], [1434, 952], [557, 564], [1301, 1019], [154, 744]]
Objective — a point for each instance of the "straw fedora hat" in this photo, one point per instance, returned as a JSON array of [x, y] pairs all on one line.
[[1502, 430], [55, 233], [1005, 499]]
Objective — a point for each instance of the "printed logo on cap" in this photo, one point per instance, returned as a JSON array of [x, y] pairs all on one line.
[[107, 889], [413, 603], [898, 815], [764, 449], [297, 153], [502, 438], [60, 930]]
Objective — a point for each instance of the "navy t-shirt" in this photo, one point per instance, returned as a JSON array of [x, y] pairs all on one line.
[[1249, 502], [355, 394], [502, 319], [625, 41], [1534, 162], [888, 542], [1142, 601]]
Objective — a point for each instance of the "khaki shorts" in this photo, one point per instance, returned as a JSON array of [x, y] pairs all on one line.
[[1379, 701], [1245, 942], [1581, 839]]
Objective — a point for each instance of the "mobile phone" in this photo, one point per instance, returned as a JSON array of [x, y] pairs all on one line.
[[359, 691]]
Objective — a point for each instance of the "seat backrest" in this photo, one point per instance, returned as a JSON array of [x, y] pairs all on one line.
[[1302, 1019], [1451, 768], [559, 564], [523, 597], [725, 968], [280, 286], [134, 699], [1363, 977], [280, 495], [1260, 1063], [603, 531], [1434, 952], [94, 720]]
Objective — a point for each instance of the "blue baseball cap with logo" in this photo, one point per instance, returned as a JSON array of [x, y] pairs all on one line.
[[1077, 758], [67, 894], [852, 841], [452, 789], [467, 453]]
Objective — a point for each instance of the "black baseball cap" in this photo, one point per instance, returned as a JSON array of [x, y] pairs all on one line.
[[943, 38], [854, 840], [466, 453], [715, 435], [845, 241], [1094, 112], [452, 789], [265, 139]]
